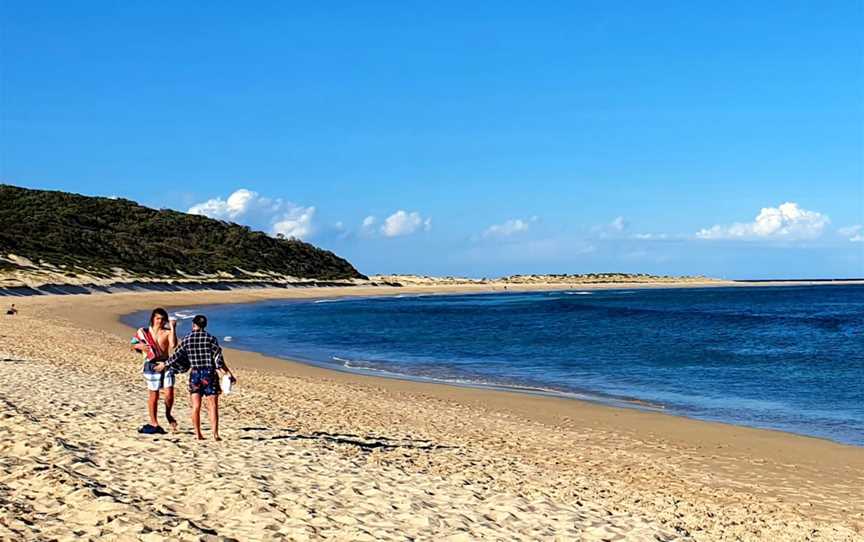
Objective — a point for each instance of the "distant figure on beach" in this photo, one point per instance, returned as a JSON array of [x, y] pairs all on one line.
[[12, 310], [156, 342], [201, 352]]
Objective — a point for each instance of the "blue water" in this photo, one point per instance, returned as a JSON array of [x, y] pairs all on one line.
[[788, 358]]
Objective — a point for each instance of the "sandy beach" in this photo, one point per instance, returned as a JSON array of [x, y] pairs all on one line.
[[312, 454]]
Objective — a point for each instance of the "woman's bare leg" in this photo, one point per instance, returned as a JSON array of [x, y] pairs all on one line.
[[152, 405], [169, 404], [213, 410], [196, 415]]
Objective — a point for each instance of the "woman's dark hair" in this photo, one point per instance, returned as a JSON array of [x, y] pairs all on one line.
[[160, 311], [200, 320]]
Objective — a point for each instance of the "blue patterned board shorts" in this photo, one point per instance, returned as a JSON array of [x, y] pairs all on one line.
[[204, 381], [157, 381]]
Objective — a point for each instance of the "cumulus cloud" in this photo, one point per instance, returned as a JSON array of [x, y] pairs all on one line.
[[508, 228], [272, 214], [402, 223], [853, 233], [296, 223], [232, 208], [785, 222]]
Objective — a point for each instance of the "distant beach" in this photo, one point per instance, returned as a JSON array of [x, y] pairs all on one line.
[[316, 453]]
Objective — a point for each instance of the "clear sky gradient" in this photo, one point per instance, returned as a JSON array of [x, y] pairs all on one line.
[[514, 137]]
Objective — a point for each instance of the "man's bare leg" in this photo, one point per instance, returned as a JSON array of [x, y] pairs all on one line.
[[196, 415], [169, 404], [152, 405], [213, 410]]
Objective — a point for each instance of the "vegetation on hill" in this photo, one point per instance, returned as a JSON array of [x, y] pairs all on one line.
[[97, 235]]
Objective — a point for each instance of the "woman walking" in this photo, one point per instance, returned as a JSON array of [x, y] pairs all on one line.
[[156, 342]]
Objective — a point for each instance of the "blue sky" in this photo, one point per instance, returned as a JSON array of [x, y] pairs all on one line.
[[513, 137]]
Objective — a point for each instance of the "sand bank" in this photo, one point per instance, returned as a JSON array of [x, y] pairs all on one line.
[[311, 453]]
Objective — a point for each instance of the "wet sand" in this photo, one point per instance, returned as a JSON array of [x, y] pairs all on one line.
[[310, 453]]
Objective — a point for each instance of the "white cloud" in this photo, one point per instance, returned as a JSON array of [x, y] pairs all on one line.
[[650, 236], [508, 228], [619, 229], [234, 207], [367, 227], [402, 223], [853, 233], [785, 222], [618, 224], [296, 223], [272, 214], [615, 228]]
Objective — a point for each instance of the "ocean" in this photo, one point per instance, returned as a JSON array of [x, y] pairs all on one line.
[[789, 358]]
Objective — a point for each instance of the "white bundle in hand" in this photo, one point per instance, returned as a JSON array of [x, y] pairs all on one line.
[[226, 384]]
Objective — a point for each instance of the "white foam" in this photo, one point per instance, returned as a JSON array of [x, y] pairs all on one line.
[[474, 382]]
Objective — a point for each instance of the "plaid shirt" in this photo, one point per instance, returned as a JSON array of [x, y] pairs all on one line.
[[198, 350]]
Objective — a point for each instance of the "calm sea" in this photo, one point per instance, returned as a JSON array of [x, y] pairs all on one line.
[[788, 358]]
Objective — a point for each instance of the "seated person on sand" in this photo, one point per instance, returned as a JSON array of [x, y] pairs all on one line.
[[156, 342], [12, 310], [201, 352]]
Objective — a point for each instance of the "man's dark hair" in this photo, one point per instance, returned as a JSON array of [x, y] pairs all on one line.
[[160, 311], [200, 320]]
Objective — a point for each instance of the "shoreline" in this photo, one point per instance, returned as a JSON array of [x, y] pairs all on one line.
[[36, 289], [270, 361], [547, 466], [499, 398]]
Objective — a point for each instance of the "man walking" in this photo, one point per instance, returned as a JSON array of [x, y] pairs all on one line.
[[200, 352]]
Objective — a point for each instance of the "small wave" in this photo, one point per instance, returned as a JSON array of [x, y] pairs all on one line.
[[579, 293], [358, 365], [183, 315], [228, 338], [490, 384], [349, 365], [328, 300]]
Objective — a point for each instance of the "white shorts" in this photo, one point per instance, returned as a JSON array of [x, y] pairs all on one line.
[[158, 381]]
